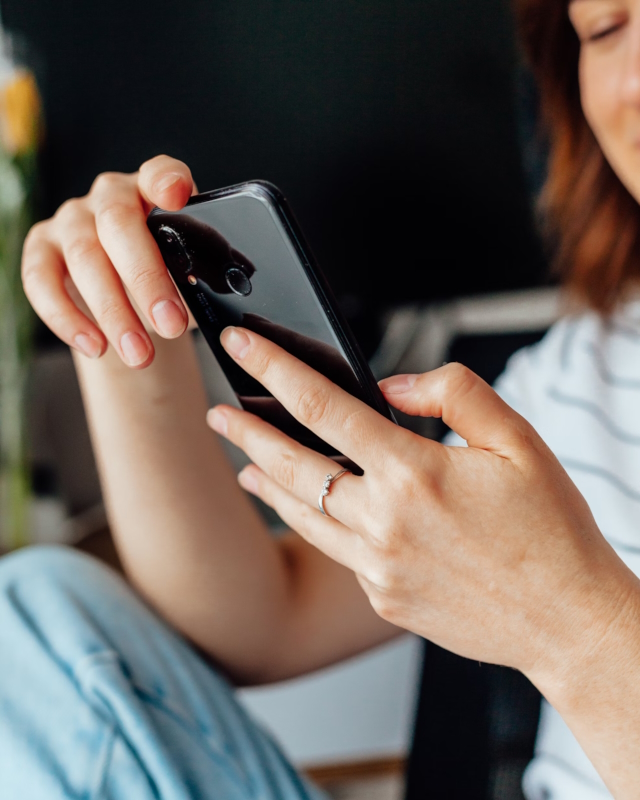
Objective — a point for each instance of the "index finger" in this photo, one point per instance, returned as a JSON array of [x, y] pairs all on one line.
[[340, 419]]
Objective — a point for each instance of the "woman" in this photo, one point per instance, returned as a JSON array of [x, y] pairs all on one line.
[[489, 550]]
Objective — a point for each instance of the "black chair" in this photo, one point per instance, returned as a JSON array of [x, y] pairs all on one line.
[[475, 723], [475, 730]]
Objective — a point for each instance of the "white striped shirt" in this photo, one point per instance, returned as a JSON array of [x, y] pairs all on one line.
[[580, 389]]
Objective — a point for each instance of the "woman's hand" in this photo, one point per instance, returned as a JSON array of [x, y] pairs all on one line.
[[97, 255], [489, 551]]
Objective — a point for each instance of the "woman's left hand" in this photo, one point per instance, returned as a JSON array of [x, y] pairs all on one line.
[[490, 551]]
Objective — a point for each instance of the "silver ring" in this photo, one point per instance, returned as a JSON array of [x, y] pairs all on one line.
[[326, 488]]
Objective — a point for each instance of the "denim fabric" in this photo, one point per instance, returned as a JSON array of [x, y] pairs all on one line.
[[100, 699]]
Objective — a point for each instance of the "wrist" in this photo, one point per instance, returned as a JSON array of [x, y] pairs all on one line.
[[174, 369], [595, 640]]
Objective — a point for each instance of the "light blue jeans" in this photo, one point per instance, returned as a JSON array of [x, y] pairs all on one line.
[[99, 699]]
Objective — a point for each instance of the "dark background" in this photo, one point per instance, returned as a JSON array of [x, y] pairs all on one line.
[[390, 125]]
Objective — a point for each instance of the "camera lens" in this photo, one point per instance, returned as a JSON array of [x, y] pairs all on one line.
[[175, 248], [169, 235], [237, 281]]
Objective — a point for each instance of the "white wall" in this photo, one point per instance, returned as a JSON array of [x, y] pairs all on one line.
[[360, 710]]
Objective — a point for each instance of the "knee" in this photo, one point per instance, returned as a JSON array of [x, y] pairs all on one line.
[[58, 600], [42, 578], [50, 564]]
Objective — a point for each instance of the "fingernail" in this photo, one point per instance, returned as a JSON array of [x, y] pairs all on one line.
[[166, 181], [217, 419], [248, 480], [235, 342], [398, 384], [87, 345], [168, 319], [134, 349]]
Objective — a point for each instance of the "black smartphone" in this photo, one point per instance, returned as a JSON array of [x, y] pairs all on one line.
[[238, 257]]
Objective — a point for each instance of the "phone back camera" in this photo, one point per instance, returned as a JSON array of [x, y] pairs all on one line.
[[238, 281], [175, 248]]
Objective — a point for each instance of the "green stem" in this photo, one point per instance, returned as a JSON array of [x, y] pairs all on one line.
[[15, 346]]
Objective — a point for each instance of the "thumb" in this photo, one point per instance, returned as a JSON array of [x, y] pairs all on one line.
[[165, 182], [467, 404]]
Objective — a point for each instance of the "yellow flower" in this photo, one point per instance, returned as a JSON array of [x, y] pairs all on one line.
[[20, 113]]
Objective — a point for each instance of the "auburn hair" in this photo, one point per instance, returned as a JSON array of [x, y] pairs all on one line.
[[591, 219]]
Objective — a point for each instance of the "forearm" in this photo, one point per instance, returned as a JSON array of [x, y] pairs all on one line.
[[194, 545], [597, 689], [189, 539]]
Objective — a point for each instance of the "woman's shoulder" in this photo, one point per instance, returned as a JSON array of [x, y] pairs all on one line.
[[586, 352], [529, 370]]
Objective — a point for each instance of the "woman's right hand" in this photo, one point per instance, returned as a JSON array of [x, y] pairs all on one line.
[[93, 271]]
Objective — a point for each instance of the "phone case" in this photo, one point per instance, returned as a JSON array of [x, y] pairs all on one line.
[[238, 257]]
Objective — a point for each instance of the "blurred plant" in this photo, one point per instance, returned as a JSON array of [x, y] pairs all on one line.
[[20, 135]]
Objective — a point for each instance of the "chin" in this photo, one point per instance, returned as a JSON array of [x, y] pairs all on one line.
[[634, 187], [628, 171]]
